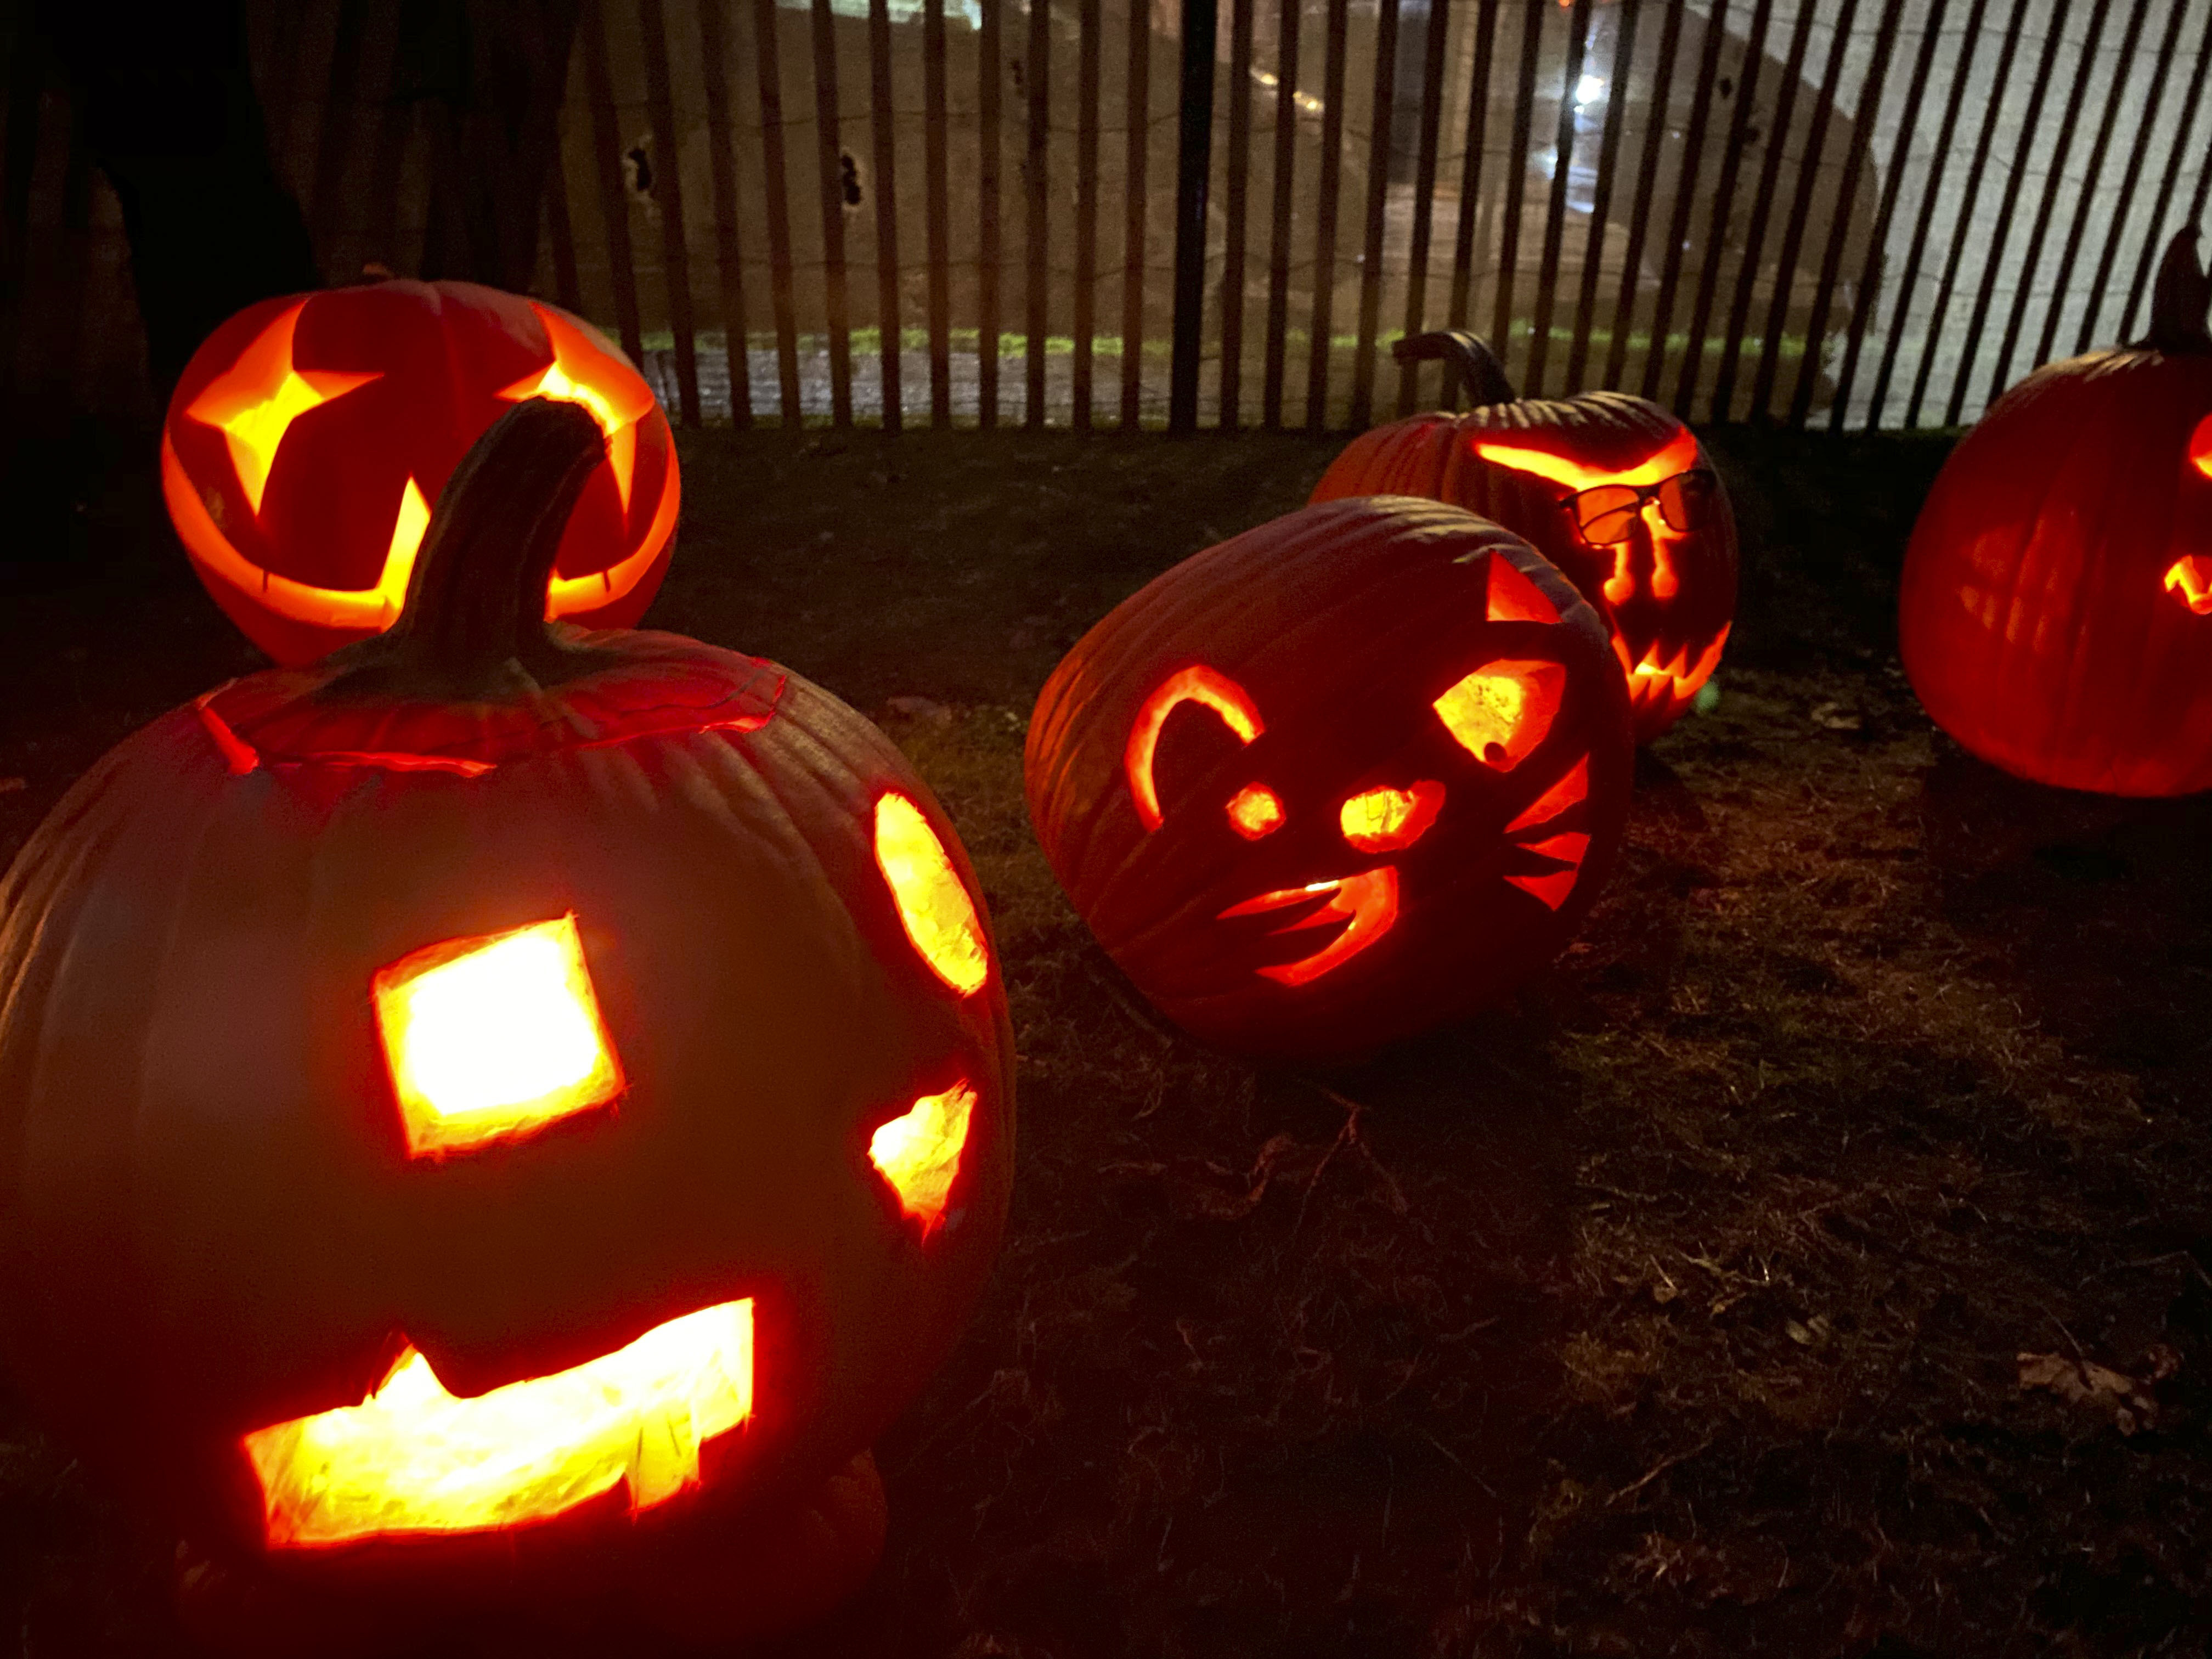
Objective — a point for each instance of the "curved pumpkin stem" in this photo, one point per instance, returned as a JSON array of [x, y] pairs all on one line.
[[473, 624], [1468, 354], [2179, 298]]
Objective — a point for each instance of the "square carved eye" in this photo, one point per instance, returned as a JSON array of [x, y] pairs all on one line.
[[494, 1037]]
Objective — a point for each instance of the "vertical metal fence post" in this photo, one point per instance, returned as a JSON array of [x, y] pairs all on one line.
[[1193, 162]]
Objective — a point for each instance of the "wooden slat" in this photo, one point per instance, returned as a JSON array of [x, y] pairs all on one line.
[[1278, 255], [1470, 178], [1608, 160], [1438, 26], [614, 200], [1516, 175], [1136, 151], [1088, 27], [830, 177], [990, 67], [1686, 195], [1992, 256], [280, 81], [19, 140], [2114, 96], [1036, 225], [1378, 188], [1724, 203], [721, 167], [1865, 299], [1555, 211], [334, 147], [668, 195], [294, 147], [2129, 176], [1962, 230], [391, 118], [2056, 183], [939, 210], [568, 287], [1331, 168], [882, 118], [769, 77], [1639, 214], [2155, 240], [1236, 204], [1793, 231], [1970, 37]]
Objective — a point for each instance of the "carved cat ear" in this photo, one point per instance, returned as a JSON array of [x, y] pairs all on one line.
[[1197, 684]]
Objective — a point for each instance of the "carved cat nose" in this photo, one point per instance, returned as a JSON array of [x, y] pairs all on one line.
[[1384, 818]]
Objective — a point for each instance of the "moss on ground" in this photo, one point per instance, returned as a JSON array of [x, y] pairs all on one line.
[[1678, 1308]]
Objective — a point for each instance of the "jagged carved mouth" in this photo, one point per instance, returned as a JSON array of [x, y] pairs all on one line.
[[1661, 679], [1361, 907]]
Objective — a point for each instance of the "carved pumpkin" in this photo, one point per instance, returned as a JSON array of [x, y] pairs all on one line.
[[493, 1113], [1611, 488], [309, 435], [2055, 614], [1344, 777]]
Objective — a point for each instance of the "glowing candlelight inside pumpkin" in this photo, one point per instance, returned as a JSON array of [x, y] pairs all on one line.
[[493, 1037], [413, 1458], [933, 906], [918, 1152]]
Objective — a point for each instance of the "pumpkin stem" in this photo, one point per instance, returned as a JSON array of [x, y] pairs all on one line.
[[473, 624], [1469, 355], [2179, 298]]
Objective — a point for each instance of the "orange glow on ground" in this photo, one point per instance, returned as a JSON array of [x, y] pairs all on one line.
[[1255, 810], [413, 1458], [2190, 581], [1500, 712], [1384, 819], [255, 402], [1514, 598], [919, 1153], [939, 916], [1197, 684], [492, 1038], [584, 372], [1366, 904]]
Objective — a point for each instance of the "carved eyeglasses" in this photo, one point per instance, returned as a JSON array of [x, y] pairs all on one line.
[[1607, 514]]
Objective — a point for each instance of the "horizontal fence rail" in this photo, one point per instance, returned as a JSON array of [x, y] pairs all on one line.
[[1844, 213]]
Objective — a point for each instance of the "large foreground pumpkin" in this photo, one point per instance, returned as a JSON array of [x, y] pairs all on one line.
[[1344, 777], [1611, 488], [309, 435], [507, 1115], [2055, 615]]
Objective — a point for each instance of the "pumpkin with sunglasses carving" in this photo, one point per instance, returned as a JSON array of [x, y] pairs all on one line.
[[1347, 776], [2055, 613], [309, 433], [500, 1118], [1611, 488]]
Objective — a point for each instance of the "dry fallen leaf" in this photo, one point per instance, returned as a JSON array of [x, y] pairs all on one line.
[[2085, 1382]]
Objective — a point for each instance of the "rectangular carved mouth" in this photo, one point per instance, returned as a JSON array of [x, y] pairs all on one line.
[[413, 1458]]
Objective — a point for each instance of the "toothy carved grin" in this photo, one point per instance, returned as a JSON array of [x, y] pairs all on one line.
[[1366, 904], [1673, 679]]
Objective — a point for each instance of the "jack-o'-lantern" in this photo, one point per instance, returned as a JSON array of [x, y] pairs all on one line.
[[2055, 614], [309, 435], [493, 1113], [1346, 776], [1611, 488]]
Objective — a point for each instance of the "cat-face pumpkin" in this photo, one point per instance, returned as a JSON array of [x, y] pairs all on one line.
[[1344, 777]]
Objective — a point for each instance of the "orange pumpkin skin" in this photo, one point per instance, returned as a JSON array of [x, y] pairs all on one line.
[[211, 1221], [309, 433], [1668, 641], [1237, 898], [2055, 614]]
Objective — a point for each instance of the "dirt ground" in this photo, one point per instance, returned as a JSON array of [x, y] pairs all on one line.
[[1817, 1260]]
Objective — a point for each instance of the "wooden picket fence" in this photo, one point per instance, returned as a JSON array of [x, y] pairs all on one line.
[[1853, 213]]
